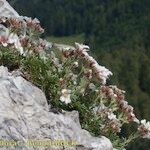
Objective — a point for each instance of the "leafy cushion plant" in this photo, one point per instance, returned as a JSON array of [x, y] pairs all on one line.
[[71, 80]]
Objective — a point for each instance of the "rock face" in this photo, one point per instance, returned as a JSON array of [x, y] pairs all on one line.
[[6, 10], [25, 116]]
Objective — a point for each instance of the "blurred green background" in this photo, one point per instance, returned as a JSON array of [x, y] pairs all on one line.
[[118, 32]]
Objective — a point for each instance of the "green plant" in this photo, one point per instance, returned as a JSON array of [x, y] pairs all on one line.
[[71, 80]]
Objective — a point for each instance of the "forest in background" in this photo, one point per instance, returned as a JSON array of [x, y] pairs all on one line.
[[118, 33]]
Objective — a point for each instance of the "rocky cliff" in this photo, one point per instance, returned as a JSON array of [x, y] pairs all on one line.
[[26, 116]]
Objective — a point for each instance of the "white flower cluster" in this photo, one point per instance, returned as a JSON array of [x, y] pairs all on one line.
[[82, 46], [144, 129], [11, 38], [101, 72], [17, 33], [80, 50], [65, 96]]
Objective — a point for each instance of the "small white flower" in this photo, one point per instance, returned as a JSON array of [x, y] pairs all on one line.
[[146, 124], [74, 79], [81, 46], [99, 109], [4, 44], [4, 37], [14, 39], [92, 87], [76, 64], [65, 97], [144, 129], [143, 121], [115, 95], [111, 116], [102, 72], [136, 120], [35, 20], [19, 47], [82, 91]]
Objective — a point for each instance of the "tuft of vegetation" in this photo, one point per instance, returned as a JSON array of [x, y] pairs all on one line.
[[71, 80]]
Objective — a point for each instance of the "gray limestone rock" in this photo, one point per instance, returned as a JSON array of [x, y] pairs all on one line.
[[6, 10], [25, 118]]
